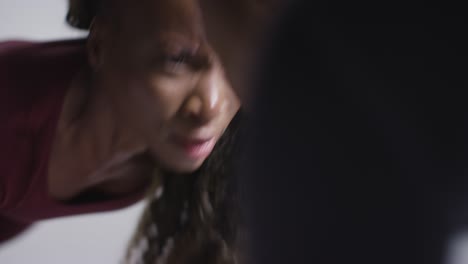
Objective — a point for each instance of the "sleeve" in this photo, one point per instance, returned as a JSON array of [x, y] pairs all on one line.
[[14, 137], [10, 228]]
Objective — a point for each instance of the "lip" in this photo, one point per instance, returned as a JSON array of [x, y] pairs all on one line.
[[195, 147]]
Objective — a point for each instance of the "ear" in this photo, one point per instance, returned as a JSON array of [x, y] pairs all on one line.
[[94, 46]]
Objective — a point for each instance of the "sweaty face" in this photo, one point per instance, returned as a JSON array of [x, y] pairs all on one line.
[[166, 81]]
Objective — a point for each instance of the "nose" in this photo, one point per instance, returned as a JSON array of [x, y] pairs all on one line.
[[207, 98]]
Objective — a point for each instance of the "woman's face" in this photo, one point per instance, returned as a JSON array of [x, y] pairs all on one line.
[[164, 78]]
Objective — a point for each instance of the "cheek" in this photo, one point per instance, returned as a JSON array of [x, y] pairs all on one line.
[[138, 102], [167, 95], [156, 101], [147, 105]]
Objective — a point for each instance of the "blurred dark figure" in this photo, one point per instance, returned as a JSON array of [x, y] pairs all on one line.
[[357, 151]]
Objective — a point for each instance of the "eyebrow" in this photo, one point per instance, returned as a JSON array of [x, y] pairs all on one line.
[[175, 41]]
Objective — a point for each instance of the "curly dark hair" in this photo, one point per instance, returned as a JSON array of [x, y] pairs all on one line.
[[82, 12], [194, 218]]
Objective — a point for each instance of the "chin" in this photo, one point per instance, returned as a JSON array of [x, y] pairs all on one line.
[[183, 167]]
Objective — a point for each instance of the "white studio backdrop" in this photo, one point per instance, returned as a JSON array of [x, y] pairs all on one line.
[[96, 238]]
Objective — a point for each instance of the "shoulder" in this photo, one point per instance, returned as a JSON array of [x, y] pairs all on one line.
[[33, 72], [22, 60], [34, 78]]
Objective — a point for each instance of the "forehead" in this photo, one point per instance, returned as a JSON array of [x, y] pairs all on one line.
[[162, 19]]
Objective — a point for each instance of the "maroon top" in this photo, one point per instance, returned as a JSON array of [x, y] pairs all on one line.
[[34, 78]]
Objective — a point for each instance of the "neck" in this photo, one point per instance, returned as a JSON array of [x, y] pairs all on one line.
[[91, 140]]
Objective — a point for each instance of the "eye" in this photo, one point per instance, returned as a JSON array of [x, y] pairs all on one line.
[[177, 63], [178, 59]]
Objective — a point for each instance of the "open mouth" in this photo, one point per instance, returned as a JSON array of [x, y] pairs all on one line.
[[195, 148]]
